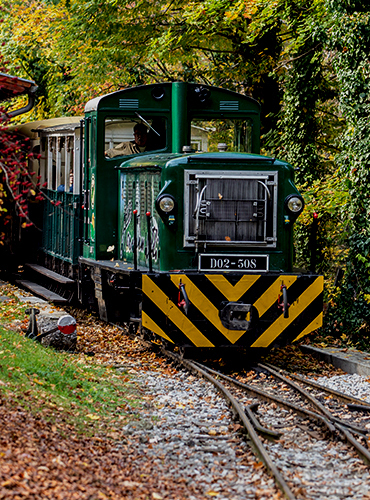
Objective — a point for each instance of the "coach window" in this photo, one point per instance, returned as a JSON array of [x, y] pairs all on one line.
[[60, 164], [43, 160], [69, 160], [51, 171], [206, 135], [125, 136]]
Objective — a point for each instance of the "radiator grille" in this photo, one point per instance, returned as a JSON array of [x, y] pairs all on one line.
[[225, 208]]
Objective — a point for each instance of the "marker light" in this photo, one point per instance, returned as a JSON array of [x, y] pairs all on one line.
[[67, 324], [166, 203]]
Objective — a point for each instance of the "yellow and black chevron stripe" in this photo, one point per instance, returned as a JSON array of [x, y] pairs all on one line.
[[208, 293]]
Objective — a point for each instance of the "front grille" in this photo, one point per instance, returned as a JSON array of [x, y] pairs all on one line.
[[230, 208]]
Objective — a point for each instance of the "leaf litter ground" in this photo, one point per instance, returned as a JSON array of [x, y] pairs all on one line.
[[45, 451]]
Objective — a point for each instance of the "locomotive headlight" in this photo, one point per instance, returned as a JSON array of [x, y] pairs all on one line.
[[166, 203], [294, 204]]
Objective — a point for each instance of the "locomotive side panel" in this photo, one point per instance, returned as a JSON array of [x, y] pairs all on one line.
[[137, 216]]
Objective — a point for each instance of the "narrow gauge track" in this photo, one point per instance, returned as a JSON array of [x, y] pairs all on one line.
[[294, 423], [317, 416]]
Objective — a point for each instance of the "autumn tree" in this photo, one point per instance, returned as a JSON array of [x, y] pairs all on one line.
[[306, 62], [29, 34]]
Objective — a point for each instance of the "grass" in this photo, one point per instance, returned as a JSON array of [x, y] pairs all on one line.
[[65, 388]]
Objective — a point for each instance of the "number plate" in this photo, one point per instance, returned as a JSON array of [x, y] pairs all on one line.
[[251, 263]]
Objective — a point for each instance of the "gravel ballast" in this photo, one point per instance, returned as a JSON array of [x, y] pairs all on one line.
[[354, 385], [194, 438]]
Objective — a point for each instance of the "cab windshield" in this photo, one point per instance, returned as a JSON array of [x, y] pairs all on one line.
[[221, 135]]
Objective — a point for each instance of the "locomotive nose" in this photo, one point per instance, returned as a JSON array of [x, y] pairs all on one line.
[[238, 316]]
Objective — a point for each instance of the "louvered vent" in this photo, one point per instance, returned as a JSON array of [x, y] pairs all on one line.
[[229, 105], [128, 103]]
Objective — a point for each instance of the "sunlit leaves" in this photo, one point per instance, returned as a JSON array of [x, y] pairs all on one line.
[[30, 33]]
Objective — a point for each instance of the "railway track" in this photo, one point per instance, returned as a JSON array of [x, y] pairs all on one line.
[[287, 432], [306, 435]]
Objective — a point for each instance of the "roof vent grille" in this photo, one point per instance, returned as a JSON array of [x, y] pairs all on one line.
[[229, 105], [128, 103]]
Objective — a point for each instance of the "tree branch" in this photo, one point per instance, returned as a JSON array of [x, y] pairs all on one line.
[[283, 63]]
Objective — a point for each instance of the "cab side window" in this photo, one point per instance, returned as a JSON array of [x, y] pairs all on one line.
[[125, 136]]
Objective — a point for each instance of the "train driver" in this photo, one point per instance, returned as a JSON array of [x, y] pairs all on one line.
[[138, 145]]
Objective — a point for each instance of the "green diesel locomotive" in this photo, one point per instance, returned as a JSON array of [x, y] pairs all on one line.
[[161, 212]]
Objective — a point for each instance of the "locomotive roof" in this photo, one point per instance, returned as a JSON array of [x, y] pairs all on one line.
[[158, 161], [97, 102]]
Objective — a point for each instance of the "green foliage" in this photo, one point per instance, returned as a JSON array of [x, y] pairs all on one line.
[[328, 198], [296, 135], [30, 34], [350, 37]]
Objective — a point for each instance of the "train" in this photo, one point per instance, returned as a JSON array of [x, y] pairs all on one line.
[[160, 212]]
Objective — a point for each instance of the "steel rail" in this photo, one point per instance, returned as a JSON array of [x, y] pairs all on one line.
[[363, 453], [340, 395], [343, 427], [267, 433], [361, 450], [313, 400], [256, 442], [338, 425], [269, 398]]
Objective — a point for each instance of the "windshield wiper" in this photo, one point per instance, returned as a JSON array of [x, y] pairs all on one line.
[[146, 123]]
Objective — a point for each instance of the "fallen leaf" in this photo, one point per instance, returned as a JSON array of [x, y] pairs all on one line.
[[93, 416], [130, 484]]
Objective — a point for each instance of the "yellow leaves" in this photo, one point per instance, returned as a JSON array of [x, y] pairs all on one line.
[[231, 15], [212, 493], [37, 28], [102, 496], [367, 297], [93, 416], [58, 460]]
